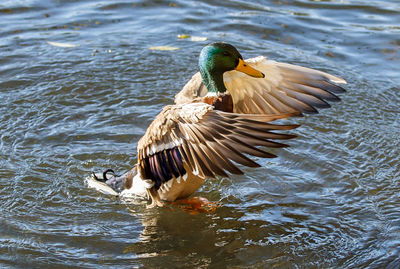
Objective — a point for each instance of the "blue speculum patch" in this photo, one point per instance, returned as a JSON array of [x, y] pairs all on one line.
[[163, 166]]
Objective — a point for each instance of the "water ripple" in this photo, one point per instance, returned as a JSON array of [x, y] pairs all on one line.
[[328, 201]]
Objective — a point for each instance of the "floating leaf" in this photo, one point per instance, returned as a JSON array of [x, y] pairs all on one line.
[[192, 38], [329, 54], [62, 45], [163, 48], [288, 39], [6, 10], [183, 36], [388, 51], [198, 38]]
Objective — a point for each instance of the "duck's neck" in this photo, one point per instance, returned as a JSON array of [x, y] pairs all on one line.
[[213, 81]]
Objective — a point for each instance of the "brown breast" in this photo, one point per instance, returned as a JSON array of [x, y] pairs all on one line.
[[222, 102]]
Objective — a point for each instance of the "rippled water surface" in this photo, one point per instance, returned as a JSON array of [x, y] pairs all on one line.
[[330, 201]]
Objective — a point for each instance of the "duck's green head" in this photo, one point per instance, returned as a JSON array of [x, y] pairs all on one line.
[[217, 58]]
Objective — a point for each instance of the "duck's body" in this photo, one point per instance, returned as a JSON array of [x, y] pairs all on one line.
[[219, 116], [174, 189]]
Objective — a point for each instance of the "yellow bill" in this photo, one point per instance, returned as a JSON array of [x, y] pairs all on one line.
[[247, 69]]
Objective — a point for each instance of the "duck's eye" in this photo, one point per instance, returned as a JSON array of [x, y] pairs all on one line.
[[226, 53]]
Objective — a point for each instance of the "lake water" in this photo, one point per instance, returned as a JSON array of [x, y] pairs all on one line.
[[332, 200]]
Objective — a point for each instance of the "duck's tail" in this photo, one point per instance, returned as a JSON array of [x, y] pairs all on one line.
[[110, 183]]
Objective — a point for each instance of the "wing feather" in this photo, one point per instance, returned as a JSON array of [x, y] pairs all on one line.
[[207, 141], [242, 147], [228, 150], [213, 161], [307, 89], [220, 157], [186, 151], [286, 88], [311, 100], [200, 161]]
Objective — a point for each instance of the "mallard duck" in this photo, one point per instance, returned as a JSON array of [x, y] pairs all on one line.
[[222, 115]]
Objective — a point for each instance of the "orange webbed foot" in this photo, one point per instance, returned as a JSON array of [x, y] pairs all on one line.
[[197, 205]]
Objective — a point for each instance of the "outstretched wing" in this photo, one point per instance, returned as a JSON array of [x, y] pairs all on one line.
[[286, 88], [206, 141]]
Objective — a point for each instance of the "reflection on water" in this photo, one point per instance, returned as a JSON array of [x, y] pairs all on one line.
[[331, 200]]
